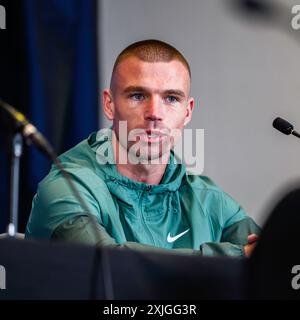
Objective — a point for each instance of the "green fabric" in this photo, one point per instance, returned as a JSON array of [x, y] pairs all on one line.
[[130, 214]]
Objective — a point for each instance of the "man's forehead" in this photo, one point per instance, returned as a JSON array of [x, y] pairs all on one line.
[[133, 69], [134, 63]]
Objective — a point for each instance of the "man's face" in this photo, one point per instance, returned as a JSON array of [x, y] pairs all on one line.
[[153, 98]]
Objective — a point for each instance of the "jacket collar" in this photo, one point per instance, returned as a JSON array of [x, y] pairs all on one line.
[[100, 143]]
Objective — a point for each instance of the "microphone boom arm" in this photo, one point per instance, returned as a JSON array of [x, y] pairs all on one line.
[[24, 129]]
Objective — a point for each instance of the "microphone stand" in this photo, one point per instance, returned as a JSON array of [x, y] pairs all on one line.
[[296, 134], [17, 151]]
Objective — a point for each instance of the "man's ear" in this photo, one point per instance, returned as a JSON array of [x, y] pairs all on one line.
[[108, 104], [189, 111]]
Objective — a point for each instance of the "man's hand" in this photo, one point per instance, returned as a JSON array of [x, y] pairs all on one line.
[[252, 241]]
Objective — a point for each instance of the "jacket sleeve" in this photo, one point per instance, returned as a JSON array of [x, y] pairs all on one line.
[[82, 229], [235, 226], [233, 240]]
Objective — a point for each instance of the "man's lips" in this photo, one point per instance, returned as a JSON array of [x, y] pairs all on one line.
[[156, 133], [151, 136]]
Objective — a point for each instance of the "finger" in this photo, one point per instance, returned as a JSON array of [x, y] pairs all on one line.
[[248, 249], [252, 238]]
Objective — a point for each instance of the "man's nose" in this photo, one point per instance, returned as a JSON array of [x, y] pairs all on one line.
[[154, 110]]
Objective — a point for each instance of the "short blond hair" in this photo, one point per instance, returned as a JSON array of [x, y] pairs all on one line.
[[152, 51]]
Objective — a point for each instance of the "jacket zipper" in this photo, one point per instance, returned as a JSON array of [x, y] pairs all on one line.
[[143, 218]]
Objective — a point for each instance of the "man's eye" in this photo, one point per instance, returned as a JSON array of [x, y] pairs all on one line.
[[137, 96], [171, 99]]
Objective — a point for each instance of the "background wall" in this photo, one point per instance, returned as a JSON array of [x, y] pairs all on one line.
[[244, 75]]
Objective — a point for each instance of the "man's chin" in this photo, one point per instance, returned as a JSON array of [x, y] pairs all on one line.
[[151, 157]]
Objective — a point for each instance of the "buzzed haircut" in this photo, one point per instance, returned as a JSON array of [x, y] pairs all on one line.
[[152, 51]]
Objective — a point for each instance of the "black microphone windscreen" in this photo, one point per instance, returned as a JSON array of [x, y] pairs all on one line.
[[283, 126]]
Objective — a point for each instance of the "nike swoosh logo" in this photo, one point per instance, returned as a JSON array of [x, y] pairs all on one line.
[[171, 239]]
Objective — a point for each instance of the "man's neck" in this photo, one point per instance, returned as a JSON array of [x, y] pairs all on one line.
[[149, 174], [145, 173]]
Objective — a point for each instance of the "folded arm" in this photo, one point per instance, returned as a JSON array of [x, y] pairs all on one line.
[[82, 229]]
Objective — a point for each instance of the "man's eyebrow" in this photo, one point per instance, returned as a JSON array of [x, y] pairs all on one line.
[[176, 92], [134, 89]]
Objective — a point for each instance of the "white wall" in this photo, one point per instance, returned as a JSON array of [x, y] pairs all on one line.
[[244, 76]]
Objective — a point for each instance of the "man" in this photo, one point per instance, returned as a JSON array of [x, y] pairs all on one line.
[[141, 197]]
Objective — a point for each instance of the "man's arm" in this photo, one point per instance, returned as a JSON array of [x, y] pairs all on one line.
[[81, 229], [238, 239]]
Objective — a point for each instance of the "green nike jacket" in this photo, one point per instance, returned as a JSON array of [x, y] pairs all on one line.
[[184, 213]]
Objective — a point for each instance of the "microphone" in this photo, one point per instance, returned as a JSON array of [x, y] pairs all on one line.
[[20, 124], [262, 11], [255, 7], [285, 127]]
